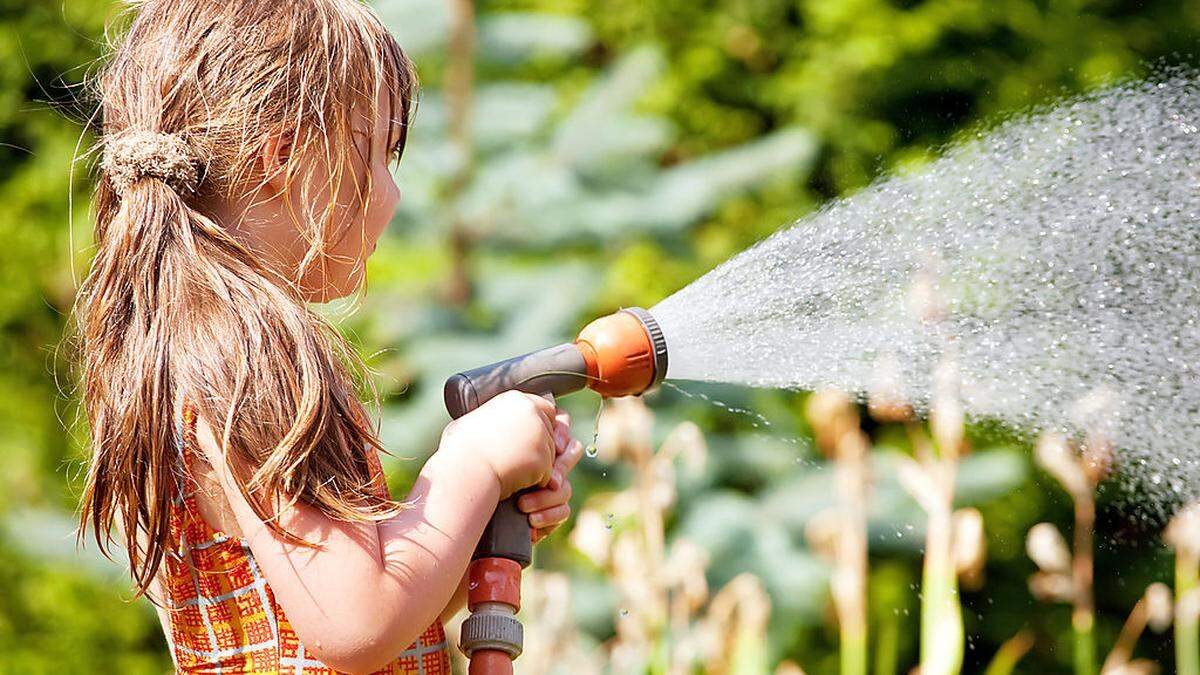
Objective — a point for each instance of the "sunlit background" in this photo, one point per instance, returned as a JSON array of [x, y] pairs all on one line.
[[570, 158]]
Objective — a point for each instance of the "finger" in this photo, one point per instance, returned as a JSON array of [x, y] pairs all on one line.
[[551, 516], [565, 462], [545, 474], [540, 500], [541, 407], [550, 451], [548, 423], [545, 408], [542, 532], [562, 429], [545, 411], [568, 459]]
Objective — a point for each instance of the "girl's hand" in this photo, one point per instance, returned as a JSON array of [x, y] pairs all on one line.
[[513, 434], [548, 507]]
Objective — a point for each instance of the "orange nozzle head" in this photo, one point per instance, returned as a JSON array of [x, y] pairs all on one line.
[[625, 352]]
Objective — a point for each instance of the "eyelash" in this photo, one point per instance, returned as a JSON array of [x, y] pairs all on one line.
[[394, 153]]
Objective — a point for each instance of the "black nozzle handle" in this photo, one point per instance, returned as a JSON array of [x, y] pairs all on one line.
[[550, 372], [555, 371], [507, 535]]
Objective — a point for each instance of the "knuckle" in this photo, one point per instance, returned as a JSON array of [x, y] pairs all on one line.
[[530, 406], [512, 398]]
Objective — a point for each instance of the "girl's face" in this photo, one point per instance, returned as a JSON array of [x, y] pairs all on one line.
[[341, 269]]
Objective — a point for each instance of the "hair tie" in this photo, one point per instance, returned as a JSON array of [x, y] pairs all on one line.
[[130, 156]]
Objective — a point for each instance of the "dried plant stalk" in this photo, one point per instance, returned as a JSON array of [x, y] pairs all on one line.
[[836, 424], [930, 480], [1083, 618], [1010, 653], [1079, 470], [1183, 534], [667, 623], [1152, 609]]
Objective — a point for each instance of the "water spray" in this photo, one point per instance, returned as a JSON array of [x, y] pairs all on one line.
[[622, 354]]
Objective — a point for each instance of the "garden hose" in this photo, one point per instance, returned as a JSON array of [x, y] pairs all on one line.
[[622, 354]]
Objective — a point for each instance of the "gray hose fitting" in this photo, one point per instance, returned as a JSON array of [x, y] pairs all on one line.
[[492, 625]]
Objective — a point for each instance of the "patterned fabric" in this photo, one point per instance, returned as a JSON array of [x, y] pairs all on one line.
[[222, 614]]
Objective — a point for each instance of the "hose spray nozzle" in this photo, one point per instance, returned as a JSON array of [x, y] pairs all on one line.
[[622, 354]]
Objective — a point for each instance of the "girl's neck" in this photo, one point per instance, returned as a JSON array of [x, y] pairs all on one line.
[[258, 223]]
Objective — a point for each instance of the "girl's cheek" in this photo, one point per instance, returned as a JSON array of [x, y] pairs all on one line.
[[389, 198]]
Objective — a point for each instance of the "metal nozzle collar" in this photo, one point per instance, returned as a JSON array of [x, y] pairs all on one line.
[[658, 342]]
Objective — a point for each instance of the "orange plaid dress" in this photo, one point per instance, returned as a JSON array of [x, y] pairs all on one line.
[[222, 614]]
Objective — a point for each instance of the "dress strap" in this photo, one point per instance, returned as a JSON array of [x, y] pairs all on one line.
[[185, 445]]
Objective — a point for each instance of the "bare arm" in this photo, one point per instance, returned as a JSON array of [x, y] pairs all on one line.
[[457, 601], [371, 588]]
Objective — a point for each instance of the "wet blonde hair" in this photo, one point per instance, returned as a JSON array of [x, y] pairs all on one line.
[[175, 308]]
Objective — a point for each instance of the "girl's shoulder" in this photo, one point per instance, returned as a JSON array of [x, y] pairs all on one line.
[[202, 496]]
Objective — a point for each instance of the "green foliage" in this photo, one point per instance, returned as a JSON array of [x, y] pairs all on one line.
[[58, 613], [56, 617]]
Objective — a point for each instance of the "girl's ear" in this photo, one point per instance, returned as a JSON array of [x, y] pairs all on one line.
[[273, 158]]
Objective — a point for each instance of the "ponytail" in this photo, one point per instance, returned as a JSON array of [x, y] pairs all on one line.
[[175, 310]]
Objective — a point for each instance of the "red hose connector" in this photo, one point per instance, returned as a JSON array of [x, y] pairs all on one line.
[[494, 580], [492, 636]]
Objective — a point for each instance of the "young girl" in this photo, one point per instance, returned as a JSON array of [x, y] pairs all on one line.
[[246, 149]]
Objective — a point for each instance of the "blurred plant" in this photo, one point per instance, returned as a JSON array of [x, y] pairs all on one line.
[[1153, 609], [527, 160], [460, 84], [1183, 534], [1056, 580], [735, 627], [840, 532], [1010, 653], [954, 542], [666, 620], [788, 668], [1066, 575], [559, 644]]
